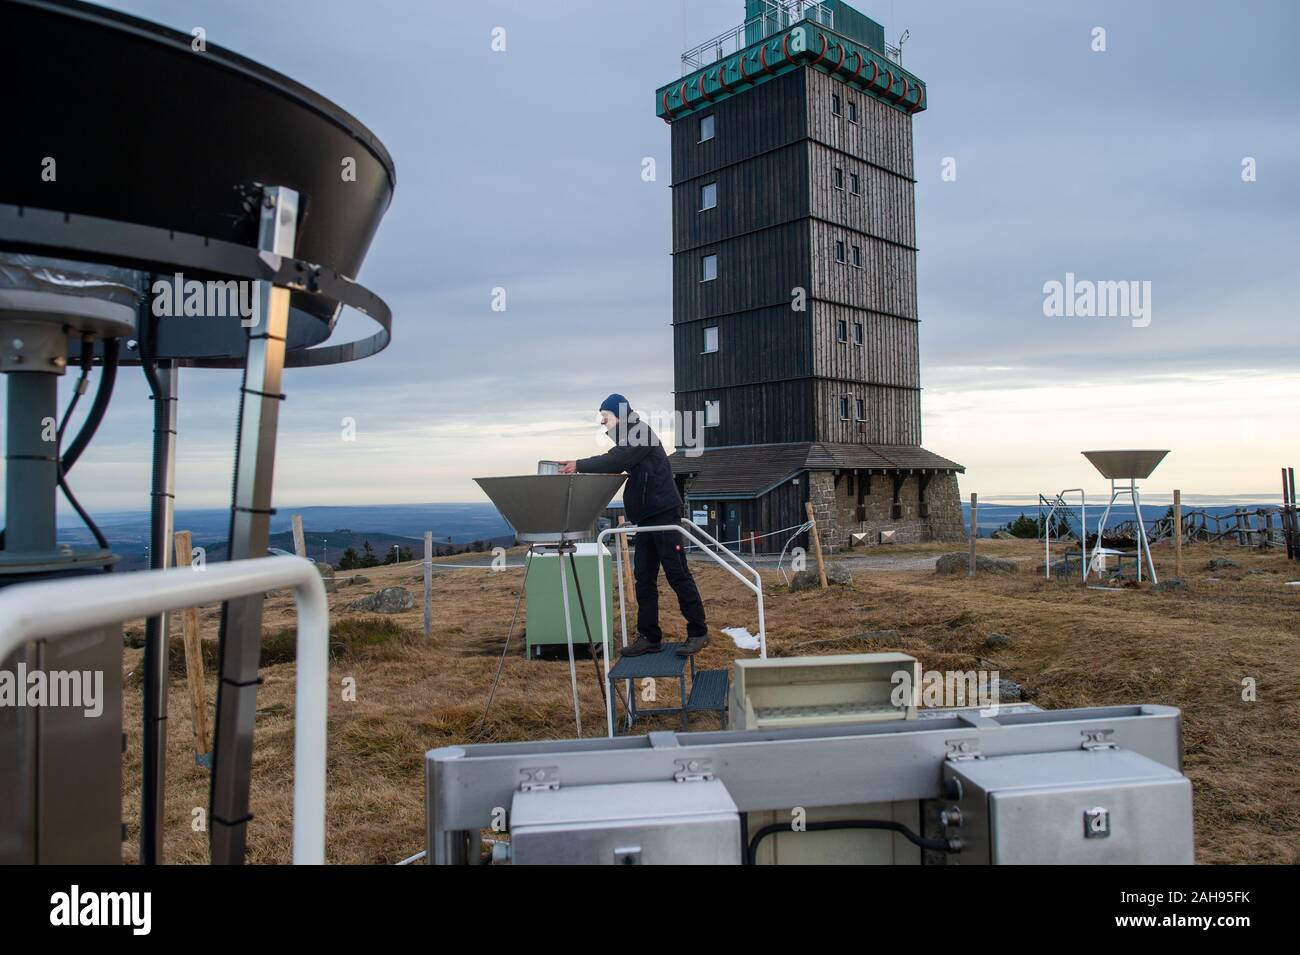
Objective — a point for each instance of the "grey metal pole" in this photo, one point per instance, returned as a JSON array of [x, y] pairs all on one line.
[[1178, 532], [428, 583], [163, 493], [1295, 516], [241, 619], [974, 529]]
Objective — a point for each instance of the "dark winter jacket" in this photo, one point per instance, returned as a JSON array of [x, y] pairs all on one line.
[[650, 489]]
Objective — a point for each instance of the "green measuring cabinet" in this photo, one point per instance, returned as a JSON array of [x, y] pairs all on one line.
[[544, 626]]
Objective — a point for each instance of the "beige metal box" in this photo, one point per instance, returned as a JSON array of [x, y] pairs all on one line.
[[819, 691], [812, 691]]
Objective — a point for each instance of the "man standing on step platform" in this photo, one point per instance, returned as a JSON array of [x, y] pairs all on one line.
[[649, 498]]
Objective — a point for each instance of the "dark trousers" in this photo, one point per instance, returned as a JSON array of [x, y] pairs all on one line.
[[664, 549]]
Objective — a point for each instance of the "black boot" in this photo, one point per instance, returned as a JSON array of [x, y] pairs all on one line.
[[641, 645], [693, 645]]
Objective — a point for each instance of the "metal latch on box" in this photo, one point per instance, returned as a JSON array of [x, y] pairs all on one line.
[[1098, 739], [539, 778], [960, 750], [692, 770]]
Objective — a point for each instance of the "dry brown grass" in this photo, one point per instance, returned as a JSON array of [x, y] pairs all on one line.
[[1069, 647]]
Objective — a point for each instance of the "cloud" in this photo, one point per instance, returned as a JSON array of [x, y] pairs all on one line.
[[522, 170]]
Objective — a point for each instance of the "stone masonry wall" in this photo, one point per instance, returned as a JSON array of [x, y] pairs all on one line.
[[836, 509]]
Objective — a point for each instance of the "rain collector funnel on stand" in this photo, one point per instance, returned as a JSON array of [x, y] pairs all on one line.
[[556, 510], [548, 508], [1130, 466]]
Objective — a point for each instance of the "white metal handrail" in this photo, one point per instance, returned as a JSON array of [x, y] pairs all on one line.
[[756, 586], [51, 610], [758, 581]]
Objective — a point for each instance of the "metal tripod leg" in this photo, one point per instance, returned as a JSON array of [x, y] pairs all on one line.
[[241, 619], [568, 633], [1143, 543], [1101, 530], [154, 763], [586, 622]]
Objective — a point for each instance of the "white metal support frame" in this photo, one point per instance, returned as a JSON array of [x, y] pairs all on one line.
[[54, 609], [1116, 492], [697, 535], [1083, 525]]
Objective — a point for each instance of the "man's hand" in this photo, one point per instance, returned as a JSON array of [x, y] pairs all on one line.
[[569, 467]]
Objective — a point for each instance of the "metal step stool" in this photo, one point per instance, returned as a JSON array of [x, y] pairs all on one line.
[[709, 692], [708, 687]]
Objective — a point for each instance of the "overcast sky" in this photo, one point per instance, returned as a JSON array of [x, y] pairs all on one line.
[[522, 170]]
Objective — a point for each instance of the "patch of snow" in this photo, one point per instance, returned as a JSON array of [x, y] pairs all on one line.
[[742, 638]]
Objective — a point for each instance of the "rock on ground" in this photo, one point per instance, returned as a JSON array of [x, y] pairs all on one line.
[[386, 600], [1171, 583], [327, 575], [1220, 563], [960, 564], [1009, 691], [836, 573]]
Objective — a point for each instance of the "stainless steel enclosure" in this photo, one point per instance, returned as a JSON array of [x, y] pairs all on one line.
[[468, 787], [626, 824], [61, 769], [1097, 806]]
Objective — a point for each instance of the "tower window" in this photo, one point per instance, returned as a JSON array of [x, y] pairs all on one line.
[[712, 413], [857, 333], [839, 250], [835, 104], [708, 196], [844, 407], [706, 128], [838, 178], [853, 111], [708, 268], [859, 409], [855, 186], [842, 330], [857, 256], [710, 339]]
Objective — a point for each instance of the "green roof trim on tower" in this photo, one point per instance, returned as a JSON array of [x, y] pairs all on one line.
[[804, 43]]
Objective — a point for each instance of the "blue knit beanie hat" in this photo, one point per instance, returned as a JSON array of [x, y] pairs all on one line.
[[615, 404]]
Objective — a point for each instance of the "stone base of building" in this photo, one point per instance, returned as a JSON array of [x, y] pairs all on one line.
[[921, 508]]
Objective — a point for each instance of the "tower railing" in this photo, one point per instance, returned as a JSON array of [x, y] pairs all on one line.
[[776, 16]]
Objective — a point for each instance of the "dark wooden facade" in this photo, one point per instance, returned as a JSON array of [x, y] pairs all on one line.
[[815, 296], [810, 220], [749, 524]]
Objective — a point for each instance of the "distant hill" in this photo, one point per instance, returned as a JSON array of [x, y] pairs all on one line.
[[329, 530], [329, 546]]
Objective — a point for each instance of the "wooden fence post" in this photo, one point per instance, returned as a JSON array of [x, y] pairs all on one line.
[[299, 541], [975, 530], [193, 656], [817, 545], [629, 588]]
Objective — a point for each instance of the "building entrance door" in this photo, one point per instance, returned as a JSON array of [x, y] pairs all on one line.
[[729, 521]]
